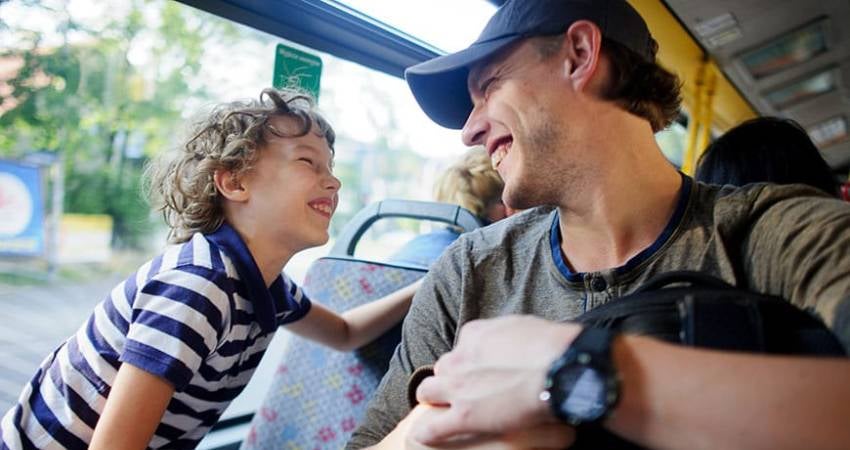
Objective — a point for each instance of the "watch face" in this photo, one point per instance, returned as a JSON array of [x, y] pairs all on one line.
[[586, 400]]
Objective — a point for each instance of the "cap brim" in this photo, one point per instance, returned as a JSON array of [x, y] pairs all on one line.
[[440, 84]]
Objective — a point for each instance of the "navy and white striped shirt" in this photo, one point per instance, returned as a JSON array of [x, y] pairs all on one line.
[[199, 315]]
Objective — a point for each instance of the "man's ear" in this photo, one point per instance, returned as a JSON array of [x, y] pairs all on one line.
[[583, 45], [230, 186]]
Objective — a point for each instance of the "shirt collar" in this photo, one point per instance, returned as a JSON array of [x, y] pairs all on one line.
[[555, 237], [227, 239]]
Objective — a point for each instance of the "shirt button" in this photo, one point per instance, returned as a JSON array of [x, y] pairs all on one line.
[[598, 284]]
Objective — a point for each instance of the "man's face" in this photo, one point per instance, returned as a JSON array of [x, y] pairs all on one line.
[[521, 108]]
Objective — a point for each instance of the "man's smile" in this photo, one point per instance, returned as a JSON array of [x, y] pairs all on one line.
[[499, 149]]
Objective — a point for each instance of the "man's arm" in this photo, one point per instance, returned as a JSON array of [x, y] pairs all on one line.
[[798, 249], [679, 397], [671, 396]]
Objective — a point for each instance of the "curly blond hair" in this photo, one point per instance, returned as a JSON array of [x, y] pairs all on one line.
[[180, 184], [471, 183]]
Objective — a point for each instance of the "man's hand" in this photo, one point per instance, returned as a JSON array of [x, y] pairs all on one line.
[[490, 383], [549, 436]]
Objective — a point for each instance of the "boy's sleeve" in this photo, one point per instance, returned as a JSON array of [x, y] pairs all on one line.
[[177, 320], [291, 303]]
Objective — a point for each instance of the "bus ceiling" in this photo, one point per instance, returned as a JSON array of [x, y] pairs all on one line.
[[737, 58], [785, 59], [328, 27]]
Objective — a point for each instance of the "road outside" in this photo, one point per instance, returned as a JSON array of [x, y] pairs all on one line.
[[34, 320]]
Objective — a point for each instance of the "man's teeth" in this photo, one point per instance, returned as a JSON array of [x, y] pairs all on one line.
[[498, 155]]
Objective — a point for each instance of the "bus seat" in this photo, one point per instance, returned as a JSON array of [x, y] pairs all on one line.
[[318, 395]]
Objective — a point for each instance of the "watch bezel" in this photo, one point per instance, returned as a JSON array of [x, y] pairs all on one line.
[[581, 359]]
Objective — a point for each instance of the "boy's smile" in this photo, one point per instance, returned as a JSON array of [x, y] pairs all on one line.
[[324, 206]]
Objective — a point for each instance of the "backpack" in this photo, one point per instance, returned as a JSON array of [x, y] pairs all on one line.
[[694, 309]]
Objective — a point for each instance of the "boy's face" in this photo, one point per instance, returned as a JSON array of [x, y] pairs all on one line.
[[293, 192]]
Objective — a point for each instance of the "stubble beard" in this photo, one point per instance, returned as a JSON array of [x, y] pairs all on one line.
[[540, 178]]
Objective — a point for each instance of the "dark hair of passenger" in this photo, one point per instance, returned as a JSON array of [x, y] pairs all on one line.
[[765, 149]]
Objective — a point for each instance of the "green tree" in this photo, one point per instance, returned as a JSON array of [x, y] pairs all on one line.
[[104, 115]]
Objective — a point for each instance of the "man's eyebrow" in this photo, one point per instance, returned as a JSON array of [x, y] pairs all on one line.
[[473, 81], [481, 72], [494, 65]]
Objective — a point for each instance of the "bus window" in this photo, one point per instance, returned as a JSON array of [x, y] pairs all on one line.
[[673, 141], [91, 91], [465, 20]]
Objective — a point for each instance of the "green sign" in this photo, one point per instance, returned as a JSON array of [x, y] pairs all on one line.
[[295, 69]]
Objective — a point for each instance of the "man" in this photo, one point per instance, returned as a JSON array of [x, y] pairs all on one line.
[[566, 95]]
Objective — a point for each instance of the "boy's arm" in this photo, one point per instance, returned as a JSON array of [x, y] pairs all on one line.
[[133, 410], [358, 326]]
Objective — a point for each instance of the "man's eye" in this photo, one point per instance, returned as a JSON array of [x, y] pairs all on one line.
[[307, 160], [486, 85]]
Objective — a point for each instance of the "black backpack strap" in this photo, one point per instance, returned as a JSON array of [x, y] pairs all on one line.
[[689, 277], [728, 324], [699, 310]]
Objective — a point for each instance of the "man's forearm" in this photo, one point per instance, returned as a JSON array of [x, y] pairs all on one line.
[[676, 397]]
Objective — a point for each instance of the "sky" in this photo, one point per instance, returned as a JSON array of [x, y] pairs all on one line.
[[429, 20]]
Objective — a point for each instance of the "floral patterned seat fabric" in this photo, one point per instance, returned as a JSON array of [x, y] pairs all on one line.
[[319, 395]]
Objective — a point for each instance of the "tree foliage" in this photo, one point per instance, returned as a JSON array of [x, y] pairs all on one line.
[[104, 115]]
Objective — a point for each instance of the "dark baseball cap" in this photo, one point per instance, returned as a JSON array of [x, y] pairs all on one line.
[[439, 84]]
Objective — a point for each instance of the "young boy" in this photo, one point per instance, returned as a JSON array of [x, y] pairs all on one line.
[[164, 354]]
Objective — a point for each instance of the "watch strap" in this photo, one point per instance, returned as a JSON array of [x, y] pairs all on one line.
[[594, 340]]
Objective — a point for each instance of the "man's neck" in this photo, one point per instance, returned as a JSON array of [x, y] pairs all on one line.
[[623, 212]]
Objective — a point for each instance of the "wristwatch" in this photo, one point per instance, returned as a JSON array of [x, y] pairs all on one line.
[[582, 386]]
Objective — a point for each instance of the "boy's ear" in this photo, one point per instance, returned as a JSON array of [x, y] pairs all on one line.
[[583, 46], [230, 186]]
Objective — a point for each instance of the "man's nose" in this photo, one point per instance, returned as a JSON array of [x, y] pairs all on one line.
[[476, 128]]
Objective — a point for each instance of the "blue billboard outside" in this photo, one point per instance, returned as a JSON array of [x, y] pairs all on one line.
[[21, 210]]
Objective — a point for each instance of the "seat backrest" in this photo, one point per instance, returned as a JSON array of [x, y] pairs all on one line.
[[319, 395]]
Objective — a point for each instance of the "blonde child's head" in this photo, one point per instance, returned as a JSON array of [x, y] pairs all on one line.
[[181, 183], [473, 184]]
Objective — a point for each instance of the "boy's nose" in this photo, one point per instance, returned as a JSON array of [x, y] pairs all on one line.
[[333, 183]]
